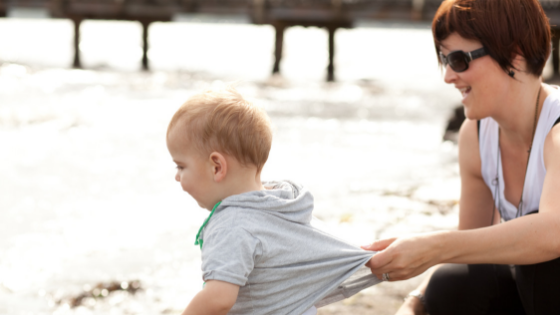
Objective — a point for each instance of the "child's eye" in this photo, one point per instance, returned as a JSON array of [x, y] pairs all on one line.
[[179, 167]]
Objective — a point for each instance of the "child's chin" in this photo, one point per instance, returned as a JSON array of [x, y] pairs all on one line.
[[202, 206]]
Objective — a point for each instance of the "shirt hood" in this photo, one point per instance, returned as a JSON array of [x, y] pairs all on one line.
[[281, 198]]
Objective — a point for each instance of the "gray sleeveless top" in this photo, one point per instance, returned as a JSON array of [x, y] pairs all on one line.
[[492, 172]]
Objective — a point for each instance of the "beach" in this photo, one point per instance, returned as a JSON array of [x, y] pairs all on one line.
[[88, 190]]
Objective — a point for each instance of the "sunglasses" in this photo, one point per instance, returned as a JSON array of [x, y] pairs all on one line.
[[459, 60]]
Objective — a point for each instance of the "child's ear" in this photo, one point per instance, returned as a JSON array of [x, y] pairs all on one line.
[[219, 166]]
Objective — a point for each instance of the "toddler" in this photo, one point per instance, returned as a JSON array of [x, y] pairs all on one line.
[[260, 254]]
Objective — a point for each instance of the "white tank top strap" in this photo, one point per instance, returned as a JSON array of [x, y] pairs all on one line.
[[491, 164]]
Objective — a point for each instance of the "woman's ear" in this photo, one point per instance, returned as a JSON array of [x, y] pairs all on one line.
[[519, 63], [219, 166]]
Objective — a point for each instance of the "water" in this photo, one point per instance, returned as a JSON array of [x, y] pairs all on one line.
[[87, 185]]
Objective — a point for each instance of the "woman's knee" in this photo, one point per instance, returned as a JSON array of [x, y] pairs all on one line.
[[447, 282], [455, 289]]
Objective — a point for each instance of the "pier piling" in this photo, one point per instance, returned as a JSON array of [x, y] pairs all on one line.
[[77, 62], [330, 67], [145, 26], [278, 47]]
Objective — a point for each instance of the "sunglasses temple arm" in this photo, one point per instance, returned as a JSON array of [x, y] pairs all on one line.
[[477, 53]]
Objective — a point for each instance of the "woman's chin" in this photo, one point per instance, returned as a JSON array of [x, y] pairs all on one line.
[[469, 114]]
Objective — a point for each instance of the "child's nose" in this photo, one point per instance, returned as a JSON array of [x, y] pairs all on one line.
[[177, 177]]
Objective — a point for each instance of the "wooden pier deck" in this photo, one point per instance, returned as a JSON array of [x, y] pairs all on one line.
[[281, 14]]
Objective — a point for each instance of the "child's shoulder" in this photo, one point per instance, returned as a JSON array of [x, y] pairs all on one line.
[[232, 217], [277, 207]]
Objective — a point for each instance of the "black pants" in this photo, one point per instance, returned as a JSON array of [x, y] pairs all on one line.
[[491, 289]]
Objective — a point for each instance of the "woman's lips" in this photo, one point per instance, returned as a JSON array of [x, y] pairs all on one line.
[[465, 91]]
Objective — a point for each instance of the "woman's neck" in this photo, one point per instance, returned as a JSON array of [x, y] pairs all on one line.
[[516, 117]]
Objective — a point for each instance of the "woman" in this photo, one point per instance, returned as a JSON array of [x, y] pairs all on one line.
[[504, 257]]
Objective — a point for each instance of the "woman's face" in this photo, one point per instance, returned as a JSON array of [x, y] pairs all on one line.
[[483, 85]]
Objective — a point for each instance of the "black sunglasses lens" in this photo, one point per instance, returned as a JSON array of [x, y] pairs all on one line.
[[458, 61]]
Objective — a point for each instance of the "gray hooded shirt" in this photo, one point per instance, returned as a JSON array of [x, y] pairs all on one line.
[[263, 241]]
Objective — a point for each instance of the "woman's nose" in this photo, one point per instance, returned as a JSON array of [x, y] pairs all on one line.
[[450, 75]]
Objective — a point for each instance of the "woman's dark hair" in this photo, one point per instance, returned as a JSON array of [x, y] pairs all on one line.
[[504, 27]]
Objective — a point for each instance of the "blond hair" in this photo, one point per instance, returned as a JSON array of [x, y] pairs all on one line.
[[223, 121]]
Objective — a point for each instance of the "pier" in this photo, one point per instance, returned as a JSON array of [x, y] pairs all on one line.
[[281, 14]]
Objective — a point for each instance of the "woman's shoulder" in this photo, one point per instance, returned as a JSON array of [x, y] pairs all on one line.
[[550, 114], [469, 151], [468, 134], [551, 149], [553, 99]]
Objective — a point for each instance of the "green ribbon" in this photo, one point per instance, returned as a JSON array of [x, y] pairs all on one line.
[[198, 240]]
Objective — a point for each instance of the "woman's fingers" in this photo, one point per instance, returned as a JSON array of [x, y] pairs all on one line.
[[408, 270], [378, 261], [401, 258], [403, 274], [379, 245]]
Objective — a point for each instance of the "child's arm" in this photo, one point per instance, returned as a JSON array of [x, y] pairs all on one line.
[[217, 297]]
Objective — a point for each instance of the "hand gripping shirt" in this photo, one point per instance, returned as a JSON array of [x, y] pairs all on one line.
[[263, 241]]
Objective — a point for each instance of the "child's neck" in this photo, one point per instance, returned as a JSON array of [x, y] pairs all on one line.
[[241, 180], [248, 183]]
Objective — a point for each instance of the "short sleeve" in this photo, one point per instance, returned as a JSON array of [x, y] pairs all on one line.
[[228, 254]]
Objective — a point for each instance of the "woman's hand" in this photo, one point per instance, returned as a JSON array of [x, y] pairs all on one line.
[[406, 257]]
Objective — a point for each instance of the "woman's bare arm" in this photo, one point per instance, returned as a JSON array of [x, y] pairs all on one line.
[[476, 203], [527, 240]]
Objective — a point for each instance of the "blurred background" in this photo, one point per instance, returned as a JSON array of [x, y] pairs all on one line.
[[91, 219]]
